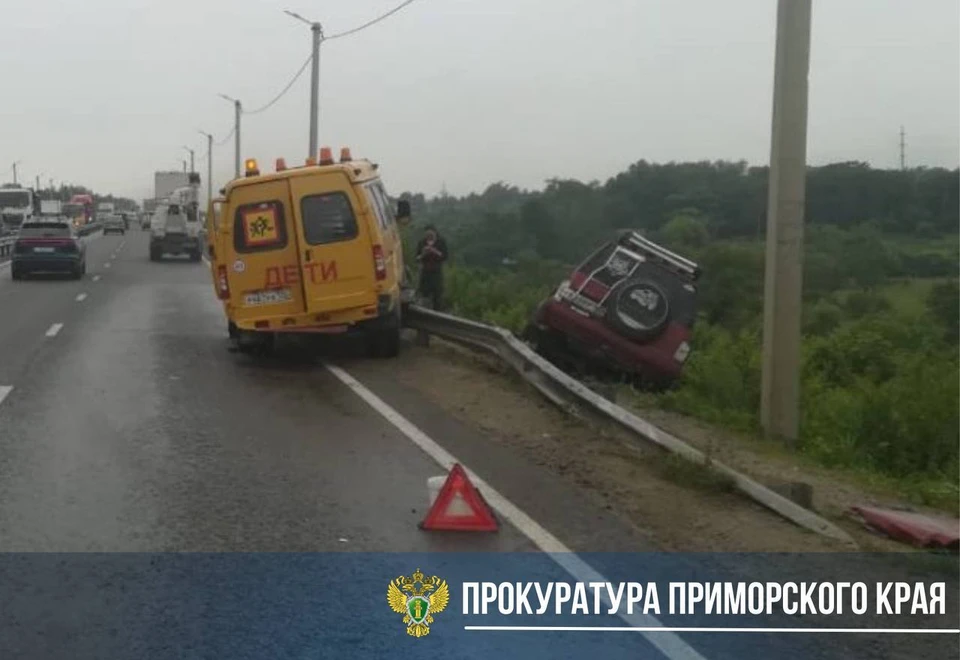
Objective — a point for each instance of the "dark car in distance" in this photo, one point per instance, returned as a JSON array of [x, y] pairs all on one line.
[[48, 246], [628, 309]]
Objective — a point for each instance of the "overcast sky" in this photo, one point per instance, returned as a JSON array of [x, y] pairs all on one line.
[[464, 93]]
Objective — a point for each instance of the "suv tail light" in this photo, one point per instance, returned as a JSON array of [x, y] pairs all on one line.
[[378, 262], [223, 284]]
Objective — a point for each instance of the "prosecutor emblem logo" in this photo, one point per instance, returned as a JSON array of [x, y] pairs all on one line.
[[418, 597]]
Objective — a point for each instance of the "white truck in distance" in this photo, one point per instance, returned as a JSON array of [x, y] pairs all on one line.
[[51, 207], [176, 228], [165, 183], [17, 205]]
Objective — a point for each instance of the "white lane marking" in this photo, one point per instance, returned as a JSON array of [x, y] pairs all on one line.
[[4, 391], [5, 264], [667, 643], [106, 265], [54, 329], [81, 297], [96, 278]]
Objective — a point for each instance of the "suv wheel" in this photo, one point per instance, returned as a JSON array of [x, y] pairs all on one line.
[[638, 309]]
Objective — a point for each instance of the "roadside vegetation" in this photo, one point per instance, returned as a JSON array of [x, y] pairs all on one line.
[[880, 386]]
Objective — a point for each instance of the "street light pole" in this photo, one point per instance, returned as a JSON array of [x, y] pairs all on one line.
[[780, 386], [15, 172], [237, 110], [317, 36], [192, 169], [209, 165], [315, 90]]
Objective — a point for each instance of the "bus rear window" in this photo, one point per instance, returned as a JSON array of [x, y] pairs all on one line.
[[328, 218]]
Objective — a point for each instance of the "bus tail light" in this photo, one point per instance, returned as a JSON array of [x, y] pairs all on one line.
[[379, 264], [223, 284]]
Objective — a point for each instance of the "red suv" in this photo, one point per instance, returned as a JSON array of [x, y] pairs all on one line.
[[629, 308]]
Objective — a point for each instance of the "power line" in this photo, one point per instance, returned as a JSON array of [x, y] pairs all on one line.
[[226, 139], [285, 89], [369, 23], [306, 62]]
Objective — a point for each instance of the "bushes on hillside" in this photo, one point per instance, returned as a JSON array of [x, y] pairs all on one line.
[[879, 393]]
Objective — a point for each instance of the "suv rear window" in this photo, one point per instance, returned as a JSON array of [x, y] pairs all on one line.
[[258, 227], [328, 218], [44, 229]]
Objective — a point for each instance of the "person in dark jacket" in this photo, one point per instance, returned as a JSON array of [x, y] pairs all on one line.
[[432, 254]]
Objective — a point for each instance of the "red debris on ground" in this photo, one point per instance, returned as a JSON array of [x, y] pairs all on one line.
[[917, 529]]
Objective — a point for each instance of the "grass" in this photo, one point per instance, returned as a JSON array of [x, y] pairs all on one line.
[[935, 493]]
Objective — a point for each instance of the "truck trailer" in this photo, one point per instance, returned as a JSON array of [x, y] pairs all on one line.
[[164, 183]]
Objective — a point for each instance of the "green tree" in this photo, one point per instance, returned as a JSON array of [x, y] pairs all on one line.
[[540, 227], [686, 229], [731, 288]]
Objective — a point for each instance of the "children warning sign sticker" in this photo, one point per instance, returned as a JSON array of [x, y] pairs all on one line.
[[260, 226]]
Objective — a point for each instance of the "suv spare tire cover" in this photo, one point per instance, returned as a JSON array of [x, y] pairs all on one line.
[[638, 309]]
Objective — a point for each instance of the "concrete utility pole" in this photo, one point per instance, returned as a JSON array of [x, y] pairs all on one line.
[[15, 172], [237, 111], [37, 188], [209, 165], [903, 149], [192, 169], [315, 91], [783, 285], [317, 32]]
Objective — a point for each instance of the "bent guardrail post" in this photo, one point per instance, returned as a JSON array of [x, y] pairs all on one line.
[[569, 393]]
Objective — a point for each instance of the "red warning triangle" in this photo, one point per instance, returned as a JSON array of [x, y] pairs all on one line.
[[459, 507]]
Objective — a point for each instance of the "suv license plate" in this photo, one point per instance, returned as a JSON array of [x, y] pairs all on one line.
[[271, 297], [43, 249]]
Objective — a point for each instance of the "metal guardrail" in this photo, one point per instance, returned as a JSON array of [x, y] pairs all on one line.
[[573, 396], [6, 245]]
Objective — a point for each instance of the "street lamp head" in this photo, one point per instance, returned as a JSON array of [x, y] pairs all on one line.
[[297, 16]]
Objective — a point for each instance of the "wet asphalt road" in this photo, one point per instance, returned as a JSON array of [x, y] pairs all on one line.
[[134, 429]]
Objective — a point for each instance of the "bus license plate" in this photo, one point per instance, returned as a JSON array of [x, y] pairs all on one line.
[[271, 297]]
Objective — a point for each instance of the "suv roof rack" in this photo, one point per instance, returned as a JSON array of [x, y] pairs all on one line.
[[670, 260]]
